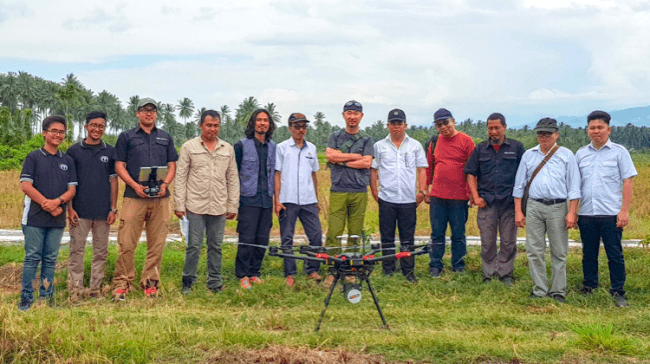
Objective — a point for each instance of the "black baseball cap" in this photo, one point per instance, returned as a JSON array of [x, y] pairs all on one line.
[[353, 105], [442, 114], [396, 115], [297, 117], [546, 125]]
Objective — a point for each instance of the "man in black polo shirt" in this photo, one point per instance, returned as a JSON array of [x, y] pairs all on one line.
[[94, 207], [491, 171], [48, 180], [143, 146]]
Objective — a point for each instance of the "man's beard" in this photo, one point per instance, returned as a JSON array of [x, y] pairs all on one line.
[[497, 141]]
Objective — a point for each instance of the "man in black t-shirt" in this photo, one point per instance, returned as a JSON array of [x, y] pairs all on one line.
[[48, 180], [94, 207]]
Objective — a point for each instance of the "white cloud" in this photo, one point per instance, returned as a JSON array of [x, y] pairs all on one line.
[[471, 55]]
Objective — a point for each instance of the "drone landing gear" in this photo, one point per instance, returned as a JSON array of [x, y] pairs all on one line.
[[361, 275]]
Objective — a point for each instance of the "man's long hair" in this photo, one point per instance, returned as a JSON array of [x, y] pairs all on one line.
[[250, 127]]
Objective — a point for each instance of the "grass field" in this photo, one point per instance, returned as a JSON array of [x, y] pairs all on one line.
[[454, 319]]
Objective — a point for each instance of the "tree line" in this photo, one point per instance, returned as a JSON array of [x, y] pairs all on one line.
[[25, 100]]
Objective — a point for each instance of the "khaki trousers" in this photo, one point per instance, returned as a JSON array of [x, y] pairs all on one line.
[[154, 215], [78, 236]]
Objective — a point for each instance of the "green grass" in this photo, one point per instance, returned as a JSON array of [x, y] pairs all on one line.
[[455, 319]]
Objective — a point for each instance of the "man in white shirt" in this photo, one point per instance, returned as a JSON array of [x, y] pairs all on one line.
[[399, 165]]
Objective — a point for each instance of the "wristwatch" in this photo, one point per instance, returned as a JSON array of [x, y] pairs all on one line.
[[114, 211], [62, 201], [422, 192]]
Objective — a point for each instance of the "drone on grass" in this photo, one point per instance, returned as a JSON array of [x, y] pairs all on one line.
[[351, 262]]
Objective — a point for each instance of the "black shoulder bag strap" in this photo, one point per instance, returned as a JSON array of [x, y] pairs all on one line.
[[524, 199]]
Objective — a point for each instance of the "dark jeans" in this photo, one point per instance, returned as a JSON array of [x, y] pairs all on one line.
[[254, 225], [212, 226], [592, 229], [41, 246], [308, 215], [454, 212], [402, 216]]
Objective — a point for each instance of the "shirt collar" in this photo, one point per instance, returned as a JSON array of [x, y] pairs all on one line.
[[84, 145], [406, 137], [138, 128], [608, 145], [46, 153]]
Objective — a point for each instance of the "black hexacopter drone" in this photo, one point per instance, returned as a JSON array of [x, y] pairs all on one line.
[[351, 264]]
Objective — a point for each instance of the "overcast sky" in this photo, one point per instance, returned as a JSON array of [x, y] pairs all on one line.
[[526, 59]]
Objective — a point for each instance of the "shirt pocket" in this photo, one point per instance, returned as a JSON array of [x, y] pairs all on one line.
[[160, 150], [610, 172], [137, 147], [409, 160]]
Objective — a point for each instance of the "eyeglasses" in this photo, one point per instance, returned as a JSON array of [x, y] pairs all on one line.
[[56, 132], [544, 134], [299, 126], [97, 126], [148, 111], [441, 123], [355, 103]]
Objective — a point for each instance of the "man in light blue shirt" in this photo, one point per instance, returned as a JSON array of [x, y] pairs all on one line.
[[296, 194], [607, 174], [399, 165], [546, 209]]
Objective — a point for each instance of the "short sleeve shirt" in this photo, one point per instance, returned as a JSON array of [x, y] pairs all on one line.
[[602, 173], [139, 149], [95, 167], [296, 166], [495, 170], [51, 175], [346, 179], [397, 169]]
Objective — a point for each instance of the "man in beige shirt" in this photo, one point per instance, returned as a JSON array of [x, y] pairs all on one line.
[[207, 192]]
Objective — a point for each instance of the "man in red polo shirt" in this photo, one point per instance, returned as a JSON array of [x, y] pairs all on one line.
[[449, 194]]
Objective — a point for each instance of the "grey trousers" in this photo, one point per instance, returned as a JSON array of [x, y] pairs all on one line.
[[490, 219], [541, 220], [78, 236], [213, 227]]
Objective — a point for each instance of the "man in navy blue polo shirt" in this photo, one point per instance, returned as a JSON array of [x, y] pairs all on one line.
[[491, 171], [143, 146], [48, 180], [94, 207]]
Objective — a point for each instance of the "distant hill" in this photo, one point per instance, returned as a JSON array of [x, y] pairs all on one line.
[[639, 116]]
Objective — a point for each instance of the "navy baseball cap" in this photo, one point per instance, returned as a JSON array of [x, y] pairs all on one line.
[[396, 115], [297, 117], [442, 114], [353, 105]]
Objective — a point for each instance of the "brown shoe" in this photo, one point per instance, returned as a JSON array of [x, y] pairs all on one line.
[[329, 281], [314, 276], [290, 281]]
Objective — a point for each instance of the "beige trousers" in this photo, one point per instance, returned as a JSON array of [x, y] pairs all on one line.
[[78, 236], [153, 215]]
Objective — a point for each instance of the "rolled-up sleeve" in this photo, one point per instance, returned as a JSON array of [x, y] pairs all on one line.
[[521, 177], [180, 184], [573, 178], [232, 177]]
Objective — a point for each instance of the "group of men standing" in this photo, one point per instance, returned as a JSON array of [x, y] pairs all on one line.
[[255, 178]]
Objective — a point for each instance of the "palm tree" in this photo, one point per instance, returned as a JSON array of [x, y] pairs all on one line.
[[225, 113], [197, 115], [185, 108], [245, 110], [270, 107]]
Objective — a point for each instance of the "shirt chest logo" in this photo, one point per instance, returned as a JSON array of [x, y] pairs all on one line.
[[104, 159], [64, 167]]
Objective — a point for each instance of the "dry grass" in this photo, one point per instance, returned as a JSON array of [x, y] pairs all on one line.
[[11, 199]]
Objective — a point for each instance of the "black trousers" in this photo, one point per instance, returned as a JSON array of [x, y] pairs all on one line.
[[592, 229], [254, 226], [402, 216]]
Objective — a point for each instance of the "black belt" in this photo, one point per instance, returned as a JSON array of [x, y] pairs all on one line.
[[549, 201]]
